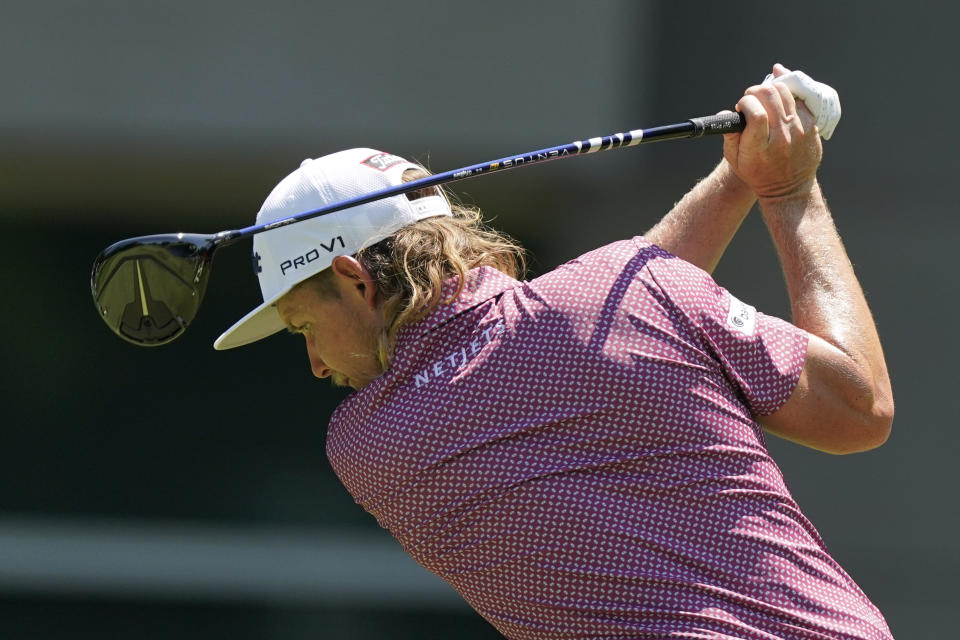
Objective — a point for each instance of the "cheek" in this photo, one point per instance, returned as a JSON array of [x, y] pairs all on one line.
[[320, 341]]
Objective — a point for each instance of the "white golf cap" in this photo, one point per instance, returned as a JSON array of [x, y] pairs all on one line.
[[286, 256]]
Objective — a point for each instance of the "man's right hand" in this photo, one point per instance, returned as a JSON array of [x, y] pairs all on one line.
[[779, 151]]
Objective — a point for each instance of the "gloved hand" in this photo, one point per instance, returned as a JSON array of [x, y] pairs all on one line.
[[820, 99]]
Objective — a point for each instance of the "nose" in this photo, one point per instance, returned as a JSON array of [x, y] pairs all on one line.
[[317, 365]]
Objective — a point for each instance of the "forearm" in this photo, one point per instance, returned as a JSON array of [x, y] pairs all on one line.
[[700, 226], [825, 296]]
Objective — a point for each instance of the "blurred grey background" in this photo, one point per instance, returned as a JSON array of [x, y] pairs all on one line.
[[180, 492]]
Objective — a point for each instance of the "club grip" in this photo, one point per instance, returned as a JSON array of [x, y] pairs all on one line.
[[731, 122]]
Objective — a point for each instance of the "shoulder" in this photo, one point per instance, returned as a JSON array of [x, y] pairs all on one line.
[[604, 264], [592, 291], [623, 269]]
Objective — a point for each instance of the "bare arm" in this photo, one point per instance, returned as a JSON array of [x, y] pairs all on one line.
[[843, 401], [700, 226]]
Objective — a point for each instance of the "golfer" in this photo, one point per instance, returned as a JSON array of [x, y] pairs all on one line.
[[582, 455]]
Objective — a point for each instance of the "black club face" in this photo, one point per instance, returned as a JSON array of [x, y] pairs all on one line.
[[149, 289]]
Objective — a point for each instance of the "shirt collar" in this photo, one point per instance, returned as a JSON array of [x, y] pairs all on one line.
[[482, 284]]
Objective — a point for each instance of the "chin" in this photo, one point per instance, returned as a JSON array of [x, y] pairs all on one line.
[[340, 380]]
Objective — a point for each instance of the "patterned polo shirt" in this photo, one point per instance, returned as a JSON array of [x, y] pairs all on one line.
[[579, 457]]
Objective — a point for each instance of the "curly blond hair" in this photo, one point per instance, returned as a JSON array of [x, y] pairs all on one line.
[[411, 266]]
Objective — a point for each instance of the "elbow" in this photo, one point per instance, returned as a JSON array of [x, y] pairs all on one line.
[[882, 420], [872, 427], [870, 409]]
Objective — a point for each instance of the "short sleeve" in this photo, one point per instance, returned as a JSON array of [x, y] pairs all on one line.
[[761, 355]]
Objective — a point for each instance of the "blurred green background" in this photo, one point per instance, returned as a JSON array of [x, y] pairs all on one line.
[[182, 492]]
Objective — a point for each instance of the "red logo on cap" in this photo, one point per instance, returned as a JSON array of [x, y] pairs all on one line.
[[382, 161]]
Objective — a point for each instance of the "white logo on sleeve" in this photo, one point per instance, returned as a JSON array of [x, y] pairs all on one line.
[[742, 317]]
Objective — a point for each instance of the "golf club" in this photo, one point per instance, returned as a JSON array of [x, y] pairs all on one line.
[[148, 289]]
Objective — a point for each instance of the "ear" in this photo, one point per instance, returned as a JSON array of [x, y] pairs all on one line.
[[353, 277]]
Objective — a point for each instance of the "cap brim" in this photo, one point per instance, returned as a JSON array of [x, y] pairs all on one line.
[[262, 322]]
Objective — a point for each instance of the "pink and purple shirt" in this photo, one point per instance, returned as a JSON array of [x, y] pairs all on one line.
[[579, 457]]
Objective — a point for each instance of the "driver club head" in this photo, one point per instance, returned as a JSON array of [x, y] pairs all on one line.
[[148, 289]]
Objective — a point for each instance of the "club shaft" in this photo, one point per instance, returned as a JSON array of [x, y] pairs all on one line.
[[693, 128]]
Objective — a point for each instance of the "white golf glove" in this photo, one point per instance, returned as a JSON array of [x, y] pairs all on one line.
[[821, 99]]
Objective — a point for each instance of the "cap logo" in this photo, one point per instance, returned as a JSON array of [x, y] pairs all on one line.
[[314, 254], [382, 161]]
